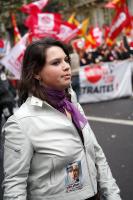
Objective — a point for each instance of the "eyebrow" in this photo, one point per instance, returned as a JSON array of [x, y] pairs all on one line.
[[56, 59]]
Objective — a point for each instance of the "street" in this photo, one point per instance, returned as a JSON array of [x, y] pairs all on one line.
[[112, 123]]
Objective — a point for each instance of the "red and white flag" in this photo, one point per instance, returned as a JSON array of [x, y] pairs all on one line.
[[97, 35], [73, 34], [94, 38], [43, 23], [14, 58], [30, 22], [79, 43], [5, 47], [34, 7], [17, 35], [115, 4], [121, 20], [65, 30]]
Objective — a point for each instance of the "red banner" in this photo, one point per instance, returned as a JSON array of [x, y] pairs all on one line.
[[121, 20]]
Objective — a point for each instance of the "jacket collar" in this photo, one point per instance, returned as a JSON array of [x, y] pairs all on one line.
[[38, 102], [34, 101]]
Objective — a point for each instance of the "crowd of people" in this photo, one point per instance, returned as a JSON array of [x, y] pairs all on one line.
[[105, 53]]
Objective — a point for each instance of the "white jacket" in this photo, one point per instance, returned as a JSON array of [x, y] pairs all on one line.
[[42, 150]]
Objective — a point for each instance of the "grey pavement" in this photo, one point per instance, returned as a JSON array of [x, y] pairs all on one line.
[[116, 139]]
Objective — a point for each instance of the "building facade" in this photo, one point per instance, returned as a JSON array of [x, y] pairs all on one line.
[[95, 10]]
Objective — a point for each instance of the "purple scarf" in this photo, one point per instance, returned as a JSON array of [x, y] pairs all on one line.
[[59, 101]]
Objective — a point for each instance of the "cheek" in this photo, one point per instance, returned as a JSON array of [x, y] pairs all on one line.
[[49, 76]]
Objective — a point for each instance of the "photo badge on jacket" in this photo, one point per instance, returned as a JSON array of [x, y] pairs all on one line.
[[73, 180]]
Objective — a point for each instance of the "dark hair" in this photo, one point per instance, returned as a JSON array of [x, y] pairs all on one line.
[[33, 62]]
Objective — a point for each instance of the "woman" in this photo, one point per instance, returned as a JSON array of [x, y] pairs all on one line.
[[49, 135]]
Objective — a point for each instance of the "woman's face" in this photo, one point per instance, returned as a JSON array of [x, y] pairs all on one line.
[[56, 73]]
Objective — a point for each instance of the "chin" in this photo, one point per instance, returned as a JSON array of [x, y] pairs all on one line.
[[65, 87]]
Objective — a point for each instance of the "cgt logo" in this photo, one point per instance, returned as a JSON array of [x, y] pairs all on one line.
[[93, 74]]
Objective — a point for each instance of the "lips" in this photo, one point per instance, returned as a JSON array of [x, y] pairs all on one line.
[[67, 76]]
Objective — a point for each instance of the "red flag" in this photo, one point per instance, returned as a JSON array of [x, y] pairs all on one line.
[[79, 43], [1, 43], [73, 34], [34, 7], [121, 20], [129, 29], [97, 34], [106, 30], [33, 36], [115, 4], [17, 35], [48, 23], [94, 37], [30, 22], [65, 30], [43, 24]]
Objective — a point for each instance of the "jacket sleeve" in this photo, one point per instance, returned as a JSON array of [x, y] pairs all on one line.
[[107, 185], [18, 152]]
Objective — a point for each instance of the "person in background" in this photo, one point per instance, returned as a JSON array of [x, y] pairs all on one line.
[[125, 52], [7, 104], [82, 57], [90, 58], [75, 67], [126, 46], [7, 97], [49, 135]]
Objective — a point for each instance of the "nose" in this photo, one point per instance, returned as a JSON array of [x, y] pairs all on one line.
[[65, 66]]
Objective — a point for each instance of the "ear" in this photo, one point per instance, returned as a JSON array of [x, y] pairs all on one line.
[[37, 77]]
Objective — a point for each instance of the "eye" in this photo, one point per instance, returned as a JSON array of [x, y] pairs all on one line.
[[57, 62], [68, 60]]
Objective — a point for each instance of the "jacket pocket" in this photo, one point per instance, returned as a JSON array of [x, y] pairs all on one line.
[[11, 149]]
